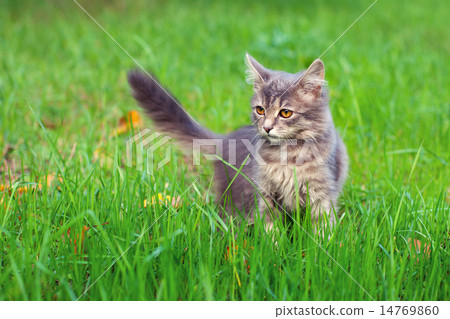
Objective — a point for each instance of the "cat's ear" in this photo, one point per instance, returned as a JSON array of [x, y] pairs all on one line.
[[256, 73], [313, 79]]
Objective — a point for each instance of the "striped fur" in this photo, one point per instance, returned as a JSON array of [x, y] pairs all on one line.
[[301, 158]]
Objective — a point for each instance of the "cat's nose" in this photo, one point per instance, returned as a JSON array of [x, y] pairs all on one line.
[[267, 129]]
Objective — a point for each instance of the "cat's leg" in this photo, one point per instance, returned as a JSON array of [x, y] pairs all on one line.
[[322, 207], [266, 209], [323, 216]]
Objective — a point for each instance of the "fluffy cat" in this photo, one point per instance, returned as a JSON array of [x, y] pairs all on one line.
[[291, 154]]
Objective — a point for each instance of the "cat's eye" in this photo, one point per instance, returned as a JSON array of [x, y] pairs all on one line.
[[260, 110], [285, 113]]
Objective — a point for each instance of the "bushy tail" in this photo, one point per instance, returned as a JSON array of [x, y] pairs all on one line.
[[165, 111]]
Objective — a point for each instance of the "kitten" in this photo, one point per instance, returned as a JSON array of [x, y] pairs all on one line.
[[291, 154]]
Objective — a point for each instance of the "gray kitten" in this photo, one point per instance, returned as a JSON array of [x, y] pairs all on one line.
[[291, 154]]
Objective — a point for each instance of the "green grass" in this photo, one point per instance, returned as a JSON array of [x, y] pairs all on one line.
[[388, 79]]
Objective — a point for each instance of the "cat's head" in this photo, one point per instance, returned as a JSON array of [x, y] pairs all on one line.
[[288, 106]]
